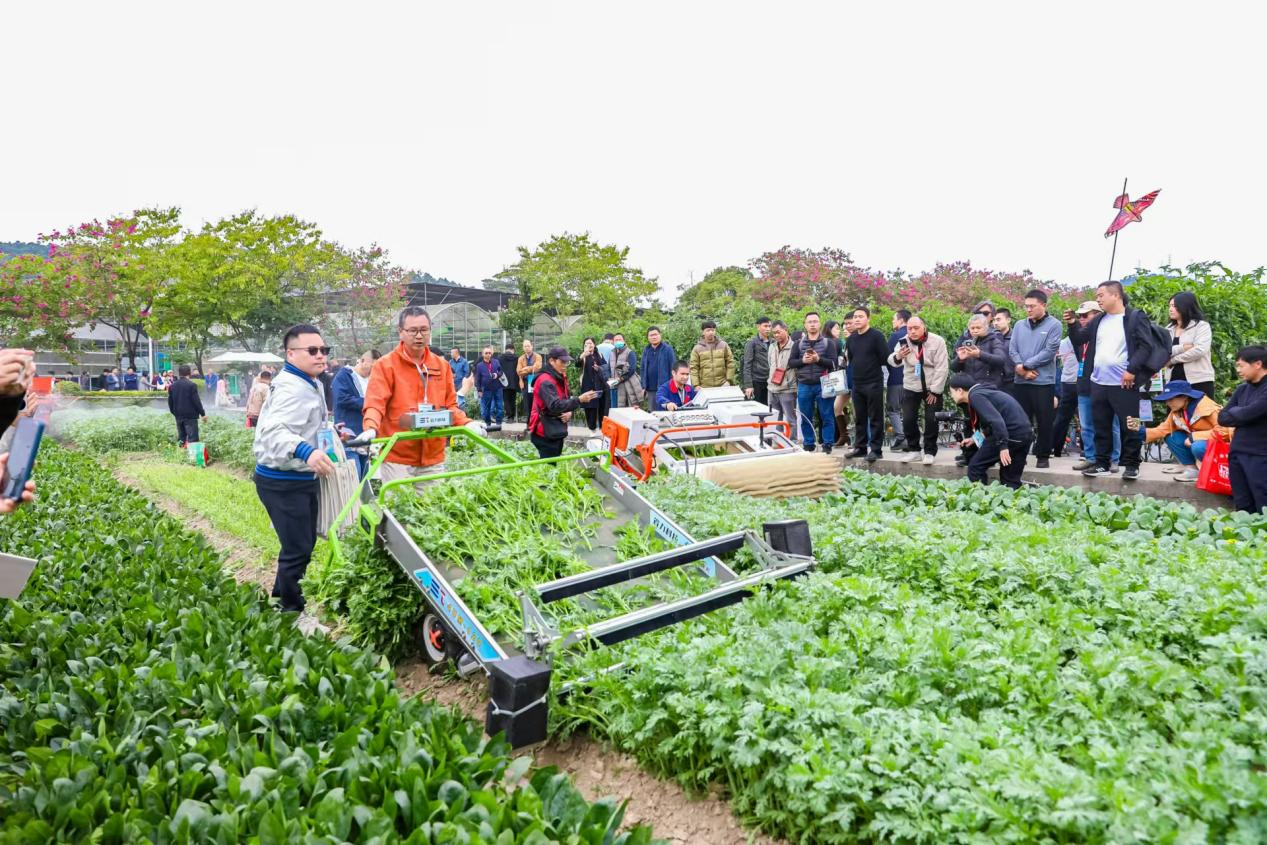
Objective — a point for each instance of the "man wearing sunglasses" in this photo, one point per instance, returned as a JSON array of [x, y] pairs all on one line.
[[409, 376], [288, 462]]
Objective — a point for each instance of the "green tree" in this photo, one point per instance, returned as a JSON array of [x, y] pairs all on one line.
[[571, 274], [264, 274], [1235, 304], [718, 291]]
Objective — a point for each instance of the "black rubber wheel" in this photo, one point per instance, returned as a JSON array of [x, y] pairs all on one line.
[[435, 641]]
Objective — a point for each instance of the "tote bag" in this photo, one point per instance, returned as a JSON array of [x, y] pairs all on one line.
[[1214, 477]]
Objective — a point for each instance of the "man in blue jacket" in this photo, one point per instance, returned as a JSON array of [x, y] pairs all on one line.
[[677, 391], [656, 366], [488, 381], [348, 391], [1033, 347]]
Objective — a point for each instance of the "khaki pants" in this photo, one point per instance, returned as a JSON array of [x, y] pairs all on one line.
[[391, 472]]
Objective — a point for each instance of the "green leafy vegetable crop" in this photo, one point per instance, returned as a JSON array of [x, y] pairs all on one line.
[[144, 696]]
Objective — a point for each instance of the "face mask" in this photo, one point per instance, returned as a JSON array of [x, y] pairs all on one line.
[[620, 344]]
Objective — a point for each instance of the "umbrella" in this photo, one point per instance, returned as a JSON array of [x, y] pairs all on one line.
[[246, 358]]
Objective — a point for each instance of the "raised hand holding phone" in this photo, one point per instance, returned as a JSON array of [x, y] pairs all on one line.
[[16, 485]]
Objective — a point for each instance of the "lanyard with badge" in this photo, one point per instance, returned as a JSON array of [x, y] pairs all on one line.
[[1082, 360], [425, 378]]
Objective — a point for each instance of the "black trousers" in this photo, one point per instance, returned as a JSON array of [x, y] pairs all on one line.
[[547, 448], [988, 455], [292, 508], [761, 392], [1039, 403], [868, 412], [187, 429], [510, 397], [1248, 475], [1064, 416], [912, 403], [1111, 405]]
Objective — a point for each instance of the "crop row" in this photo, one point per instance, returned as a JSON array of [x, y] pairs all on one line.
[[969, 665], [144, 696]]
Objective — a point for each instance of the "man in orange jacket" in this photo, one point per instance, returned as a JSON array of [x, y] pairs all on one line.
[[408, 376]]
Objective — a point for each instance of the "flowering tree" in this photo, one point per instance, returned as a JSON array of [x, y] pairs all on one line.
[[38, 307], [364, 302], [962, 285], [825, 278], [112, 271]]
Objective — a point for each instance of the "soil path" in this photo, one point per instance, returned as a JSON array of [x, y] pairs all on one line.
[[598, 771]]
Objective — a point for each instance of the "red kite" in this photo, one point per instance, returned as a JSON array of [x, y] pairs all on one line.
[[1129, 212]]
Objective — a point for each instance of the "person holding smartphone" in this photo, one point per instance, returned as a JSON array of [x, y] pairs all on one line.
[[17, 368]]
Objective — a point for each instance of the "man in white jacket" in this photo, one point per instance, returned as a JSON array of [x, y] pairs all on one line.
[[288, 461]]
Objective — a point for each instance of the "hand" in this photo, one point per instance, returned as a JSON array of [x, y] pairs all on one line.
[[567, 417], [1005, 457], [363, 438], [476, 427], [1128, 380], [204, 417], [1020, 370], [961, 352], [669, 406], [1187, 441], [966, 442], [974, 351], [810, 356], [725, 383], [747, 391], [17, 366], [1030, 375], [28, 492], [589, 396], [320, 463], [1187, 346], [930, 399], [902, 352], [1070, 316]]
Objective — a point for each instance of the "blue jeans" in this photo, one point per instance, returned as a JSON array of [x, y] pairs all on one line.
[[807, 396], [1088, 432], [1185, 454], [491, 407]]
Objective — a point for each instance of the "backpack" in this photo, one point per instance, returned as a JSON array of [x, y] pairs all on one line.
[[1159, 346]]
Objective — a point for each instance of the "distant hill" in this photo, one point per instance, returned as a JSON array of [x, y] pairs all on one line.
[[23, 248], [429, 279]]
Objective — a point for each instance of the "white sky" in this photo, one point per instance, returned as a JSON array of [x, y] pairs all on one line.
[[698, 134]]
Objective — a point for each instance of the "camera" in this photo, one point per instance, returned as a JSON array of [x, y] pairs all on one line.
[[954, 422]]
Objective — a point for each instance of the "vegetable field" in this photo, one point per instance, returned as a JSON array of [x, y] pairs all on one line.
[[146, 697], [967, 664]]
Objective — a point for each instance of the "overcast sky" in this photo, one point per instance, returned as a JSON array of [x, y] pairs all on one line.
[[697, 134]]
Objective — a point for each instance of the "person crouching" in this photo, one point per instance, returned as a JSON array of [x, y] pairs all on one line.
[[1000, 430]]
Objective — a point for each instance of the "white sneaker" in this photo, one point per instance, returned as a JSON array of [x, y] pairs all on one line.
[[912, 457], [928, 460], [1189, 474], [1173, 469], [309, 625]]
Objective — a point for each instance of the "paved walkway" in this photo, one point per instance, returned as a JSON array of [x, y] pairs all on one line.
[[1151, 482]]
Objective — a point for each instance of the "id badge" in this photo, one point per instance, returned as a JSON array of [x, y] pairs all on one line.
[[423, 407], [978, 438], [325, 442], [1081, 365], [919, 368]]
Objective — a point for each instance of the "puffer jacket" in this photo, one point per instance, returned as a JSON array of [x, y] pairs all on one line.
[[935, 362], [1204, 420], [987, 368], [712, 364], [289, 421]]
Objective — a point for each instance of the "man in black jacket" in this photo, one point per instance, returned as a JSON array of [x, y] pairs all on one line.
[[867, 351], [1000, 430], [814, 355], [754, 368], [186, 406], [1247, 412], [1123, 353], [510, 391]]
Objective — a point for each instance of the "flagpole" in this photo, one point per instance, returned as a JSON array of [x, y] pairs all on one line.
[[1113, 257]]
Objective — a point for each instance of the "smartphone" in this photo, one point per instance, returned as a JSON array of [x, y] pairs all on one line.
[[26, 444]]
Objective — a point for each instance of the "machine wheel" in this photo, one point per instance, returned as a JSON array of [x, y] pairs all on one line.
[[436, 641]]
